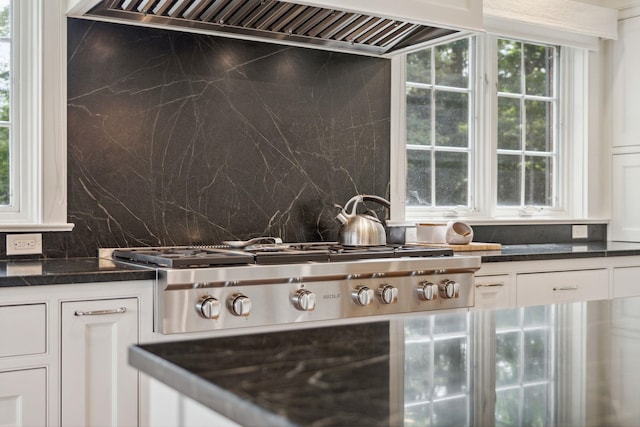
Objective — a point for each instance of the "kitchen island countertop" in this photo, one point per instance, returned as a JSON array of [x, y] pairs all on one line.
[[382, 373]]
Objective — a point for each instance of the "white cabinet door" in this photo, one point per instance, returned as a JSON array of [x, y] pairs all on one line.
[[493, 292], [30, 337], [625, 224], [99, 388], [23, 398], [626, 85]]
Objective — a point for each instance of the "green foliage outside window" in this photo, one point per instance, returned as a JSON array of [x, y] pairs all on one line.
[[526, 120], [438, 103], [439, 127]]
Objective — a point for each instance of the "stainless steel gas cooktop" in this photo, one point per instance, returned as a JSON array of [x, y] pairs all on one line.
[[219, 287]]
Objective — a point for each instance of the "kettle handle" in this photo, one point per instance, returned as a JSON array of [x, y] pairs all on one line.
[[355, 200], [378, 199]]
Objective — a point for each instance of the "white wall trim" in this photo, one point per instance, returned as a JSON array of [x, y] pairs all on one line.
[[564, 15]]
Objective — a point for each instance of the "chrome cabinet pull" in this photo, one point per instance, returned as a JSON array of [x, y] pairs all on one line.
[[490, 285], [566, 288], [100, 312]]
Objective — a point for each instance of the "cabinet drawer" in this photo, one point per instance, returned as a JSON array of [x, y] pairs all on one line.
[[492, 292], [23, 329], [562, 286]]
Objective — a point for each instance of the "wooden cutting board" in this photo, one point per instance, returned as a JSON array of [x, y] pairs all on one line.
[[473, 246]]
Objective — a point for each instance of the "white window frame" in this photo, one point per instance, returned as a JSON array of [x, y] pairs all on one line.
[[38, 147], [560, 206], [573, 91], [470, 150]]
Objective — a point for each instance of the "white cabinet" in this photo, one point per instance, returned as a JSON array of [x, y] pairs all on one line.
[[493, 292], [23, 384], [626, 85], [23, 398], [625, 224], [625, 165], [98, 386], [171, 408], [30, 337], [562, 286]]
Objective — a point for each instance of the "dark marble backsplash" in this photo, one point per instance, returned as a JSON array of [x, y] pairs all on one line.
[[177, 138]]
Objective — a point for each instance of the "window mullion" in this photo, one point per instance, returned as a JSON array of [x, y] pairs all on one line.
[[433, 126], [523, 124]]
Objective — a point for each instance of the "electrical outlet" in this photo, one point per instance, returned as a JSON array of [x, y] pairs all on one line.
[[579, 231], [24, 244], [410, 234]]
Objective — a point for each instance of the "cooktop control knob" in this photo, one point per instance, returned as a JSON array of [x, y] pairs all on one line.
[[240, 305], [208, 307], [363, 296], [449, 289], [388, 294], [427, 291], [304, 300]]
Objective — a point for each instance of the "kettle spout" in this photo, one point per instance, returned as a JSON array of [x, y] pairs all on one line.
[[342, 215], [342, 218]]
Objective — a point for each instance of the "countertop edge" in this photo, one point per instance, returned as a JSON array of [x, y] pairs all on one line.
[[193, 386]]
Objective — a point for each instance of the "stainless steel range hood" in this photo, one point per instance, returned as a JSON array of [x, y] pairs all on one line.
[[312, 24]]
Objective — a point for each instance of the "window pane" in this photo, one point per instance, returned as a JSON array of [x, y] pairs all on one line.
[[417, 385], [535, 316], [507, 318], [419, 67], [451, 412], [5, 21], [4, 166], [5, 81], [418, 415], [450, 370], [450, 323], [419, 177], [535, 355], [418, 116], [539, 181], [509, 66], [418, 327], [452, 64], [538, 63], [508, 180], [534, 411], [508, 407], [452, 119], [509, 124], [539, 119], [452, 179], [439, 117], [507, 358]]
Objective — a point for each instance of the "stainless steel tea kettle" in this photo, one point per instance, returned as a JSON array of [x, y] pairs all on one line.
[[364, 229]]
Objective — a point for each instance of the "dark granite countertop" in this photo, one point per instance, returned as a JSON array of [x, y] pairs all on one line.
[[323, 376], [54, 271], [57, 271], [535, 252], [430, 369]]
